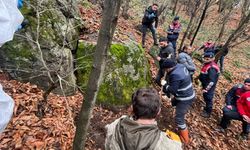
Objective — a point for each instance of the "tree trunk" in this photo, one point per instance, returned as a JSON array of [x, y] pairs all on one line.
[[109, 22], [125, 8], [234, 36], [222, 30], [193, 13], [186, 32], [220, 3], [201, 20], [175, 6]]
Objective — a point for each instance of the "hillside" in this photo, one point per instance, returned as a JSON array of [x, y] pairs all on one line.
[[56, 129]]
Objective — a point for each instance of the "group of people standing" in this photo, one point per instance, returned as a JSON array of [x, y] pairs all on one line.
[[175, 76]]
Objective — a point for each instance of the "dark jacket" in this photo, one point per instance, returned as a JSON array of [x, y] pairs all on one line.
[[219, 48], [234, 94], [180, 84], [165, 52], [209, 75], [150, 17], [175, 29]]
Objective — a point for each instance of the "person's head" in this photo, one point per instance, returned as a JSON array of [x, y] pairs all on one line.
[[168, 65], [146, 103], [210, 41], [247, 84], [176, 20], [154, 7], [208, 57], [163, 42], [187, 49]]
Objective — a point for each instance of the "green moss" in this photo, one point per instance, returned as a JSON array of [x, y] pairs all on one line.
[[127, 69], [18, 52]]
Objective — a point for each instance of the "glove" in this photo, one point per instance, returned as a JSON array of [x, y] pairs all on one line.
[[151, 16], [163, 82], [173, 136]]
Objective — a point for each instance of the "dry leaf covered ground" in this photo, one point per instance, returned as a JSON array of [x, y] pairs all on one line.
[[56, 129]]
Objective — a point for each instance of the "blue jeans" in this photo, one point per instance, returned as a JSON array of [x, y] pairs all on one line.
[[144, 31], [233, 114]]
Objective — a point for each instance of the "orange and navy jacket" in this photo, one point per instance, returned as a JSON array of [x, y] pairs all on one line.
[[243, 104], [234, 94], [209, 75]]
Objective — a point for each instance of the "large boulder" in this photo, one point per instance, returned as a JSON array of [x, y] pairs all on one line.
[[127, 69], [41, 52]]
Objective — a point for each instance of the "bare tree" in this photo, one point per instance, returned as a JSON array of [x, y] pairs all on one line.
[[175, 7], [239, 36], [109, 22], [201, 20], [125, 8], [193, 12]]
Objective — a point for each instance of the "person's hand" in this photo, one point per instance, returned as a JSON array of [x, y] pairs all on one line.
[[158, 58], [163, 82], [204, 91], [230, 107], [246, 118], [151, 15]]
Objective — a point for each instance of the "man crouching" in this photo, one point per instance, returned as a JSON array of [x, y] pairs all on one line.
[[140, 131]]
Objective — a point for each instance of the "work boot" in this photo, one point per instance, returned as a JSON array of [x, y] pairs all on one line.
[[184, 136], [205, 114]]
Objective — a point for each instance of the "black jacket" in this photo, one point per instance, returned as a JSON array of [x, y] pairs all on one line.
[[234, 94], [209, 75], [165, 52], [150, 17]]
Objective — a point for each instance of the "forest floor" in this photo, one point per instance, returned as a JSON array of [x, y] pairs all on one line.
[[56, 129]]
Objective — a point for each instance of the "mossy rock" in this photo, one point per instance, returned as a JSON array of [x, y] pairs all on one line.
[[127, 69]]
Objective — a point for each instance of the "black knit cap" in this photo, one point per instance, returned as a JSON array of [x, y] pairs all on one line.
[[168, 63], [247, 80], [176, 18], [163, 39]]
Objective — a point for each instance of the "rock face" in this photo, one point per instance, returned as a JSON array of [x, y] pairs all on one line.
[[41, 52], [127, 69]]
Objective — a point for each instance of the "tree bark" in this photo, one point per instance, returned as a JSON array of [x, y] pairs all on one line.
[[109, 22], [175, 7], [193, 13], [201, 20], [125, 8], [234, 36]]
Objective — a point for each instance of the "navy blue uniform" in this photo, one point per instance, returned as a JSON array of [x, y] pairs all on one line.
[[180, 85], [209, 76]]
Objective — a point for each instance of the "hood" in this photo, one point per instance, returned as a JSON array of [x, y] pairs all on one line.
[[150, 10], [133, 136]]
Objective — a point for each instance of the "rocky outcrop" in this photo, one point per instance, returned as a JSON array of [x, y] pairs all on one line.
[[41, 52], [127, 69]]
